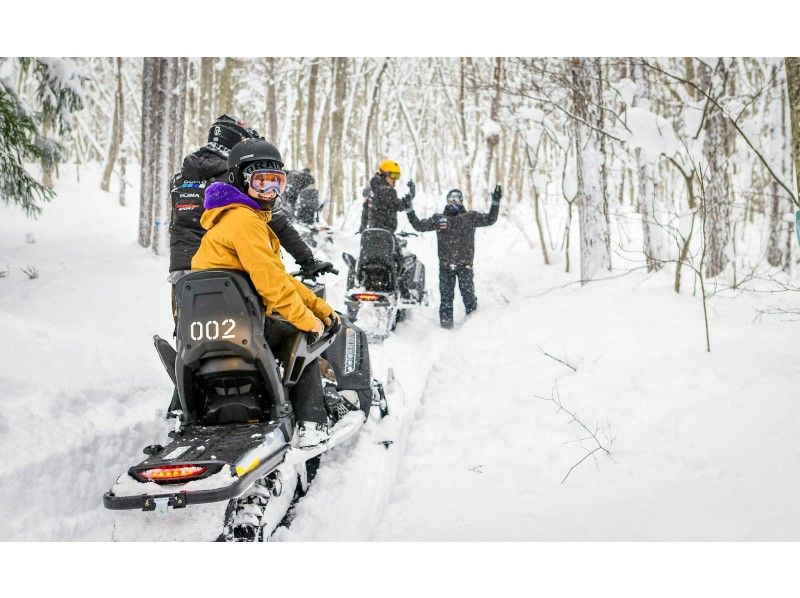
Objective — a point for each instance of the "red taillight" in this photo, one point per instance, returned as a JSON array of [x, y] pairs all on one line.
[[172, 473], [367, 296]]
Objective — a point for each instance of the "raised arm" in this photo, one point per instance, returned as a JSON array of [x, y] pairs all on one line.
[[419, 225], [479, 219]]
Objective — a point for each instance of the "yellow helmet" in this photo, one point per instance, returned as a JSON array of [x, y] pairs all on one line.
[[390, 168]]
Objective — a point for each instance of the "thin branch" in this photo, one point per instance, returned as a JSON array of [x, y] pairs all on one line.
[[569, 365]]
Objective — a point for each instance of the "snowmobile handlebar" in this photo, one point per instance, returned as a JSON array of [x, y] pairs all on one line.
[[299, 274]]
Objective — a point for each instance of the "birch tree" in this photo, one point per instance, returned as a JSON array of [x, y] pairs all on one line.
[[595, 255]]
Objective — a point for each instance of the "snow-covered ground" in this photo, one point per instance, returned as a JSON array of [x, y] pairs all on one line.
[[703, 444]]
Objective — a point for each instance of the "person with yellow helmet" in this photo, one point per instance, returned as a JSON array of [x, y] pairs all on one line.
[[385, 204]]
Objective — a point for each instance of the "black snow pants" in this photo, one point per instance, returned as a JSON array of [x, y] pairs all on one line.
[[306, 395], [447, 284]]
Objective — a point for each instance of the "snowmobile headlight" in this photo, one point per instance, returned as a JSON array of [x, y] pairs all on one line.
[[173, 473]]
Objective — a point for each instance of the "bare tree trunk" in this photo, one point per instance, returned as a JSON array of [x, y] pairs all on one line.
[[162, 130], [793, 83], [178, 105], [320, 144], [595, 255], [532, 164], [206, 111], [123, 183], [118, 122], [372, 102], [47, 167], [715, 152], [225, 97], [601, 141], [466, 165], [150, 77], [777, 135], [311, 116], [271, 108], [336, 170], [493, 134], [299, 107]]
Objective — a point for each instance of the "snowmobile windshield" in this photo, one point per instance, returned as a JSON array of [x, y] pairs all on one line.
[[267, 181]]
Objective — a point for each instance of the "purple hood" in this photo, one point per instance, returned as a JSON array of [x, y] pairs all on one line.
[[219, 195]]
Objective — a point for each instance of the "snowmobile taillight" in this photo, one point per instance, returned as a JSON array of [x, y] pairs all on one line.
[[173, 473], [367, 296]]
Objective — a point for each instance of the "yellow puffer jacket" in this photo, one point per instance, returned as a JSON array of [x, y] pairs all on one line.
[[238, 238]]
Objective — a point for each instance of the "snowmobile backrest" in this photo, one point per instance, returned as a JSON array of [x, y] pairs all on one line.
[[377, 247], [221, 344]]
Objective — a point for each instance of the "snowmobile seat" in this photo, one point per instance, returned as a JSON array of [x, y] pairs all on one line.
[[225, 371], [377, 269]]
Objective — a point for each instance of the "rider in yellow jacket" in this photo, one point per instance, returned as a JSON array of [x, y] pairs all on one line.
[[238, 238], [236, 217]]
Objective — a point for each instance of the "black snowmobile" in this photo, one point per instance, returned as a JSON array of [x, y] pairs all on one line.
[[232, 440], [306, 215], [375, 280]]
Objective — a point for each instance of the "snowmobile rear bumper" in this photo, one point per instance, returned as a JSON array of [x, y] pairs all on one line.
[[235, 455], [178, 500]]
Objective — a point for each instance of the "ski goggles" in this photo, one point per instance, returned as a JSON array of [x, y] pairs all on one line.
[[393, 175], [456, 196], [266, 181]]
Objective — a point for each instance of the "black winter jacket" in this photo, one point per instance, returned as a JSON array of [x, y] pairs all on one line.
[[200, 169], [385, 205], [455, 234]]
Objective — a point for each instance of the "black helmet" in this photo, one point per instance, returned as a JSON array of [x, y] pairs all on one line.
[[227, 131], [251, 154]]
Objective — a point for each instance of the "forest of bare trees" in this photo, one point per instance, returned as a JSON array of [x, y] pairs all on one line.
[[640, 162]]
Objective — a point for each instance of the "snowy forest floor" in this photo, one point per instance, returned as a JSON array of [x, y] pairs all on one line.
[[703, 445]]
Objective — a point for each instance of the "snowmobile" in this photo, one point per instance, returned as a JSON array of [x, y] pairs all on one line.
[[231, 442], [306, 215], [375, 281]]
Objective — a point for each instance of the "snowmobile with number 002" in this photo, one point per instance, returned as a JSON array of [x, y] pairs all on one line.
[[231, 444]]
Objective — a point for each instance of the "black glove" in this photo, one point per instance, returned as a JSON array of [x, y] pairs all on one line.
[[412, 190], [333, 323], [497, 194], [311, 268]]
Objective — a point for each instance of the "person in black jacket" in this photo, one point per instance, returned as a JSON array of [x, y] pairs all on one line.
[[385, 203], [296, 181], [455, 231], [207, 165]]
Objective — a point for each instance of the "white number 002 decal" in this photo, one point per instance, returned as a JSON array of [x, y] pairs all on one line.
[[210, 330]]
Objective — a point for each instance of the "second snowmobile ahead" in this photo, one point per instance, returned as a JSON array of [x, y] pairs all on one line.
[[306, 215], [232, 442], [378, 282]]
